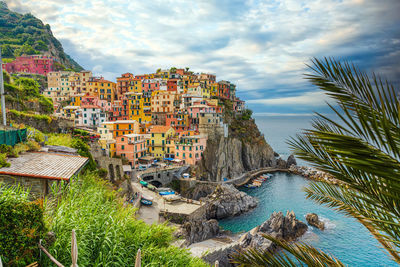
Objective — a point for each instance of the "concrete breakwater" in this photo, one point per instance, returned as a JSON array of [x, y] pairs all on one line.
[[312, 173]]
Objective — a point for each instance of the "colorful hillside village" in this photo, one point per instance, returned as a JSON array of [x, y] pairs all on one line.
[[166, 115]]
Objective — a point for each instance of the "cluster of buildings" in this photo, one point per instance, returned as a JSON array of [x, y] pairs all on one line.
[[37, 64], [166, 115]]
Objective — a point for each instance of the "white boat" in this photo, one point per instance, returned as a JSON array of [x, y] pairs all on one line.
[[147, 197], [171, 197]]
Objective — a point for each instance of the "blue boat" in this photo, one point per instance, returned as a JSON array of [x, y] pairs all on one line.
[[146, 202], [250, 186], [164, 193]]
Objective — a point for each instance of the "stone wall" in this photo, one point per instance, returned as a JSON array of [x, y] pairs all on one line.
[[38, 187], [112, 165], [56, 125], [160, 176]]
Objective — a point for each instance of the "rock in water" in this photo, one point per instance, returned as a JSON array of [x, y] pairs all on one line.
[[227, 201], [312, 219], [291, 161], [199, 230], [279, 226], [285, 227]]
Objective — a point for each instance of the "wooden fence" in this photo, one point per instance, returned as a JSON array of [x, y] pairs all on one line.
[[74, 254]]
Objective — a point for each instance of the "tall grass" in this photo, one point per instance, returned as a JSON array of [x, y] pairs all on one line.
[[59, 139], [108, 234]]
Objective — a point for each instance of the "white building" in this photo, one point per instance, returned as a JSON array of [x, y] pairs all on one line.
[[91, 116]]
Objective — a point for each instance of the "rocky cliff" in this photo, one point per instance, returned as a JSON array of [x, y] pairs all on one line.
[[229, 157]]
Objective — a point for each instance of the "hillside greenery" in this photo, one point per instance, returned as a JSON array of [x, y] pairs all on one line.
[[23, 95], [24, 34]]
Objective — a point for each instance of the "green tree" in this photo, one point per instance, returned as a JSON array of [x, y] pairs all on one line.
[[362, 151], [25, 49], [7, 51], [40, 45]]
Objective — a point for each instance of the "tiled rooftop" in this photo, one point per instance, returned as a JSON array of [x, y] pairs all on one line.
[[44, 165]]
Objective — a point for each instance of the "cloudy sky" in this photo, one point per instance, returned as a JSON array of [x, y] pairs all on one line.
[[262, 46]]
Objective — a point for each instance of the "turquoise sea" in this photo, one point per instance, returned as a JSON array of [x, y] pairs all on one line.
[[344, 237]]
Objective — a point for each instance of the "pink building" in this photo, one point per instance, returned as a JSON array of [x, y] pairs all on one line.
[[132, 147], [190, 149], [37, 64], [151, 85]]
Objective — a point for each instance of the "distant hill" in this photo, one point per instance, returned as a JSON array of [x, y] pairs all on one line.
[[26, 34]]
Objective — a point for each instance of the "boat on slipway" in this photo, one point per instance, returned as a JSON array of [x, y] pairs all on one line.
[[146, 202]]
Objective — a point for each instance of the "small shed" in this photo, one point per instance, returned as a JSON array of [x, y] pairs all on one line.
[[39, 170]]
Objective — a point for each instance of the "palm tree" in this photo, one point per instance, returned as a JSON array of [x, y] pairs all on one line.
[[361, 149]]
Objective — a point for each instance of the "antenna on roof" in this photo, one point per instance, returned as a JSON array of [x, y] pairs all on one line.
[[3, 102]]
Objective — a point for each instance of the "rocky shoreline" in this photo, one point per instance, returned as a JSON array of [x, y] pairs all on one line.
[[285, 227], [313, 174]]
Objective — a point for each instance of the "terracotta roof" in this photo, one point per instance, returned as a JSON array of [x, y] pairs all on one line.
[[45, 165], [159, 129]]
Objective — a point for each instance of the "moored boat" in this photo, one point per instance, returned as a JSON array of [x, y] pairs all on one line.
[[164, 193], [144, 183], [146, 202]]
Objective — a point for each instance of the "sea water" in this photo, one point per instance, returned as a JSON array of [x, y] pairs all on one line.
[[343, 237]]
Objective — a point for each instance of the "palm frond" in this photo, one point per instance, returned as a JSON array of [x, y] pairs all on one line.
[[361, 149], [291, 255]]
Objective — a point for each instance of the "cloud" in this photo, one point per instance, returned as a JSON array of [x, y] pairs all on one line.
[[311, 99], [262, 46]]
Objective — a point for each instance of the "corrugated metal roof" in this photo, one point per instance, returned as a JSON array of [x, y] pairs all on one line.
[[44, 165]]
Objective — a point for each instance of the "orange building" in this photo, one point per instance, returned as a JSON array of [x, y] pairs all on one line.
[[132, 147]]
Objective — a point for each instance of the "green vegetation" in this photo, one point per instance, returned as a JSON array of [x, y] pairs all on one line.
[[107, 231], [25, 34], [361, 150], [21, 226], [3, 160], [77, 143], [46, 118], [59, 140], [13, 152], [22, 94], [102, 173]]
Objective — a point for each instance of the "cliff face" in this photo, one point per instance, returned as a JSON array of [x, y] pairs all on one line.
[[230, 157]]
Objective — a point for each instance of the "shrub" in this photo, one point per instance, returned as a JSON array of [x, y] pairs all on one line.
[[33, 145], [102, 173], [21, 226], [19, 148], [84, 151], [3, 160]]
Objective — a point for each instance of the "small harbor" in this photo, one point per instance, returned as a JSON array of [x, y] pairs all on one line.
[[282, 192]]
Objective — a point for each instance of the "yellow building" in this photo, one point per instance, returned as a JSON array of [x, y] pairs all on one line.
[[122, 127], [76, 99], [135, 86], [214, 89], [158, 140], [135, 103], [106, 90]]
